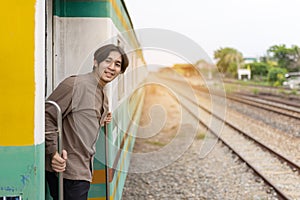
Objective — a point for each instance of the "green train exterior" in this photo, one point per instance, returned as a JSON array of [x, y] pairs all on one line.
[[44, 42]]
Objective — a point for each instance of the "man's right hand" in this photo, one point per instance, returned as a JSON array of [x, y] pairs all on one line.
[[58, 162]]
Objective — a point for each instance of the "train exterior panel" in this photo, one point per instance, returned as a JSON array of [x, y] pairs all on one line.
[[74, 30], [22, 97]]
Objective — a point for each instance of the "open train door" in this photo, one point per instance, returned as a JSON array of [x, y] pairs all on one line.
[[71, 40], [49, 63]]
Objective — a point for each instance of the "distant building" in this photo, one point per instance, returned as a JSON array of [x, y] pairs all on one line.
[[246, 71], [248, 60]]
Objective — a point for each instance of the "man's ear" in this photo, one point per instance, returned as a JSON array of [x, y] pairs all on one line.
[[95, 63]]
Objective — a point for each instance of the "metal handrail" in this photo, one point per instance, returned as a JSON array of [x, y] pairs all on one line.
[[59, 131], [107, 183]]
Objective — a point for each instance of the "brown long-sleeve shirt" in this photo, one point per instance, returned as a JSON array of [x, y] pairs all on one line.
[[84, 107]]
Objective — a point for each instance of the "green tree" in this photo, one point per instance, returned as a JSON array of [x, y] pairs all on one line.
[[276, 75], [295, 59], [228, 60], [232, 69], [288, 58], [259, 69]]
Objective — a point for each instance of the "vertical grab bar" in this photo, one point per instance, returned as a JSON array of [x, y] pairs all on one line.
[[59, 131], [106, 161]]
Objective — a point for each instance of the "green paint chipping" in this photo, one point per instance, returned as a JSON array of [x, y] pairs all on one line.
[[22, 172]]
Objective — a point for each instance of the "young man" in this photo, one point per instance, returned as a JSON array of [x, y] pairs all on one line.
[[84, 109]]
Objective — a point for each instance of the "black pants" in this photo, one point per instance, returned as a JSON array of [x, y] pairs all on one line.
[[73, 189]]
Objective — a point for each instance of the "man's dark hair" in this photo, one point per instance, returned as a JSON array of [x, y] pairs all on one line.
[[102, 53]]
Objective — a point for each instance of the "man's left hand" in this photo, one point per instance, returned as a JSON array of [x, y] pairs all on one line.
[[108, 118]]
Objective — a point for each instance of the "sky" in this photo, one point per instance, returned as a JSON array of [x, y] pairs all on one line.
[[250, 26]]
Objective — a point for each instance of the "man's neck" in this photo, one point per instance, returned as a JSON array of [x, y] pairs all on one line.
[[100, 82]]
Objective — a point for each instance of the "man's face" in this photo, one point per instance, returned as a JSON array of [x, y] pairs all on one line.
[[109, 68]]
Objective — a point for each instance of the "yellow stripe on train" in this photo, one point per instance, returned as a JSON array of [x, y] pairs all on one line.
[[17, 83]]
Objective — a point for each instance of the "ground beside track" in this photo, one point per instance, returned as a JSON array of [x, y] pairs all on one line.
[[220, 175]]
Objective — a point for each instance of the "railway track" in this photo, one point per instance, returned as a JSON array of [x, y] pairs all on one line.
[[276, 169], [293, 102], [262, 88], [276, 107], [289, 109]]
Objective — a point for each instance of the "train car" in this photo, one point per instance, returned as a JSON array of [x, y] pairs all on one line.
[[44, 42]]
